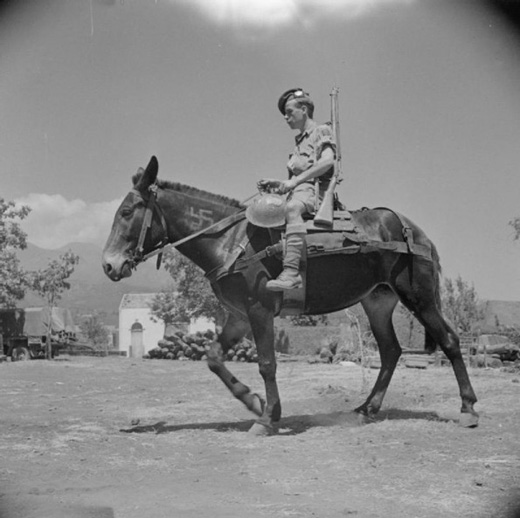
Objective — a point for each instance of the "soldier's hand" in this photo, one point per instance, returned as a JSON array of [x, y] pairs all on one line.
[[269, 185]]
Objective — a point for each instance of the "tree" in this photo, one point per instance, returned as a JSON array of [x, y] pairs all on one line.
[[409, 323], [191, 295], [93, 329], [460, 304], [51, 282], [13, 278], [515, 223], [166, 306]]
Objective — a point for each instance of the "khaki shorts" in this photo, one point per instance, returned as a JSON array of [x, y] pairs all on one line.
[[305, 193]]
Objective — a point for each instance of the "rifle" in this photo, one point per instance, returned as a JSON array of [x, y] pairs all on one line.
[[325, 214]]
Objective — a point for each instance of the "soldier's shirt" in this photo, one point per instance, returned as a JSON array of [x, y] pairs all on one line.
[[309, 146]]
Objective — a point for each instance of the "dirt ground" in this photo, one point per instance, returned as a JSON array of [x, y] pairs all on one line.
[[114, 437]]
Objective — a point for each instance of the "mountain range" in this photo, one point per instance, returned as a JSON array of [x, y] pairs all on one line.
[[91, 291]]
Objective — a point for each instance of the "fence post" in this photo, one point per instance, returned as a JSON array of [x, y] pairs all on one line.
[[465, 342]]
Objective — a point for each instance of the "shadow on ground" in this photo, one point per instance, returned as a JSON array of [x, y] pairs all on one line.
[[46, 506], [293, 425]]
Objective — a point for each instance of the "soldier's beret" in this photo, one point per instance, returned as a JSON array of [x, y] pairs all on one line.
[[293, 93]]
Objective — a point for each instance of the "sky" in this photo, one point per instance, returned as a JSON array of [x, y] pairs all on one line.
[[428, 94]]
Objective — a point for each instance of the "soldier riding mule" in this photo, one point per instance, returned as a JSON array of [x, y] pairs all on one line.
[[376, 257]]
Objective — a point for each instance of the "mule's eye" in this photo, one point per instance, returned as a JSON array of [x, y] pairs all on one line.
[[126, 212]]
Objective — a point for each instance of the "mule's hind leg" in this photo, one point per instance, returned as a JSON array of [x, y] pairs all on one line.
[[379, 307], [443, 334], [423, 301], [234, 330]]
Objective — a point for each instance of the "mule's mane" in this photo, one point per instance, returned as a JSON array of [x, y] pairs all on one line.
[[193, 191], [198, 193]]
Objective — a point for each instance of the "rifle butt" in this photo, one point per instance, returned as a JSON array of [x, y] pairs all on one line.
[[325, 214]]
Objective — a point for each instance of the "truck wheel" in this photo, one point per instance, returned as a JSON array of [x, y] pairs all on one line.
[[20, 353]]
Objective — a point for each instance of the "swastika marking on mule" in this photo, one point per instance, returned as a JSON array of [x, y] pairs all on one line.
[[200, 218]]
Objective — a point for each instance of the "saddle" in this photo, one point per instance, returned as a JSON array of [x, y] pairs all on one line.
[[346, 236], [343, 235]]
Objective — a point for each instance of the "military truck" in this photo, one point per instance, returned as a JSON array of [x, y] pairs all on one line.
[[23, 332]]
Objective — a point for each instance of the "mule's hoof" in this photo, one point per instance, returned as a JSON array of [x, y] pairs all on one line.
[[363, 419], [468, 420], [261, 430], [256, 404], [364, 416]]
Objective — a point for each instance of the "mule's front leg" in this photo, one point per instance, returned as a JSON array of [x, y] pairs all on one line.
[[242, 392], [233, 331], [262, 325]]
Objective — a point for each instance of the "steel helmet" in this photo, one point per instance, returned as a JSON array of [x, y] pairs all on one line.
[[267, 211]]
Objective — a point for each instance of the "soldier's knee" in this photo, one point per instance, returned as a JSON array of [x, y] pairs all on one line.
[[294, 211], [295, 206]]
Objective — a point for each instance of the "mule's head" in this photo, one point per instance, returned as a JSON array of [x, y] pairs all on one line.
[[119, 253]]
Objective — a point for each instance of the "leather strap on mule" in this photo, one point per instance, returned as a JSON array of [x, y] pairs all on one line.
[[367, 247], [412, 247], [237, 263], [139, 257], [147, 223], [216, 227], [152, 205]]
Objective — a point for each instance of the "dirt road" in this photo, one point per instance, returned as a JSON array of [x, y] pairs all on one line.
[[90, 437]]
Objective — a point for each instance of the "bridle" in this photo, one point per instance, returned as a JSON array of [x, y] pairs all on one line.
[[138, 255]]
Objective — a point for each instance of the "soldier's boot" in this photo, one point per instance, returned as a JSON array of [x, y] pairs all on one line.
[[290, 277]]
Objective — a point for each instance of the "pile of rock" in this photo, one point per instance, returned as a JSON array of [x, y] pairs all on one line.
[[185, 346], [331, 351]]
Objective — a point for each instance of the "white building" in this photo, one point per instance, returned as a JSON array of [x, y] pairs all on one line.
[[138, 333]]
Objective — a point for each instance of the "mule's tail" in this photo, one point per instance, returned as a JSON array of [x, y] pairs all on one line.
[[429, 343]]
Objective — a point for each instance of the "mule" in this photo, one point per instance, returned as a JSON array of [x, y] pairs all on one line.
[[212, 231]]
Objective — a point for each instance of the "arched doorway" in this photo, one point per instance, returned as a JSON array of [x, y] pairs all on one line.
[[136, 340]]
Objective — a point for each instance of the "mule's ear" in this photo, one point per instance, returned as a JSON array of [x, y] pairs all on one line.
[[137, 176], [148, 176]]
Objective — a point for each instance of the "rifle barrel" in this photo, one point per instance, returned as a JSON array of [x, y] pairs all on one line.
[[336, 129]]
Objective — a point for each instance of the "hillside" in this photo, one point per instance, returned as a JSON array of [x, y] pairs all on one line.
[[90, 289], [505, 313]]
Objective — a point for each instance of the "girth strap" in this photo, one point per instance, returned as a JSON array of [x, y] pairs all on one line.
[[268, 251], [366, 247]]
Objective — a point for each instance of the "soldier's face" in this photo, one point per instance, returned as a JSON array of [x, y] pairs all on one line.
[[294, 115]]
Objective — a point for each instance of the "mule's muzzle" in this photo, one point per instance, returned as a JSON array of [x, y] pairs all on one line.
[[116, 270]]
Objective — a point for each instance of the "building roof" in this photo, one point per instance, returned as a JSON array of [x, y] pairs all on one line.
[[136, 300]]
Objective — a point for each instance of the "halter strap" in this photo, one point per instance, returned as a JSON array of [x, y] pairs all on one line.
[[151, 205]]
